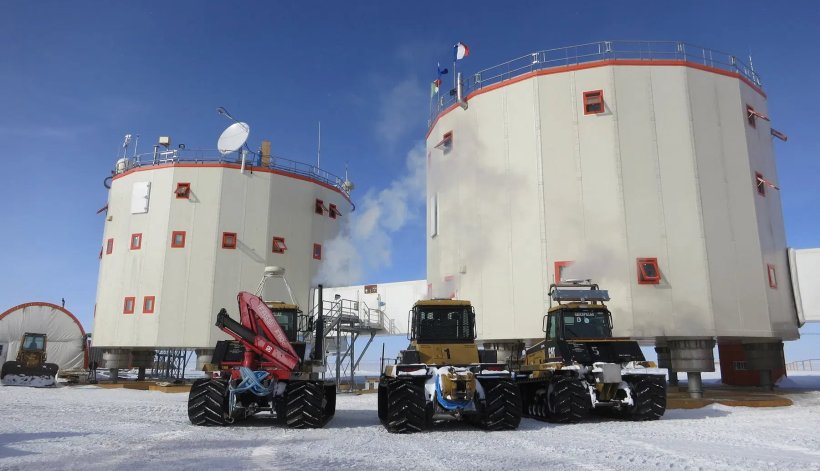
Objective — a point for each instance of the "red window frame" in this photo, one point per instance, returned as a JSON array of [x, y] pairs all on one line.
[[229, 240], [645, 277], [446, 142], [174, 243], [319, 207], [278, 245], [760, 184], [183, 191], [751, 117], [558, 266], [128, 304], [593, 98], [145, 308], [109, 246], [138, 238], [333, 212], [771, 271], [317, 251]]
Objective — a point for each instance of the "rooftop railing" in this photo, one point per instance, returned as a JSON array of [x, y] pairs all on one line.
[[595, 52], [252, 160]]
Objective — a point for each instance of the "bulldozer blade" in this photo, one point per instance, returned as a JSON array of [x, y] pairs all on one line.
[[16, 374]]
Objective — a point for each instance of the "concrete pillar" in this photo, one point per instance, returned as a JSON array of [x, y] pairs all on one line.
[[694, 385]]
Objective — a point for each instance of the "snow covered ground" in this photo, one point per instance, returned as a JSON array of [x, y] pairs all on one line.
[[94, 428]]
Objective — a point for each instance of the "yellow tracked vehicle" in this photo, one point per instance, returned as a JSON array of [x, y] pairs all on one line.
[[444, 376]]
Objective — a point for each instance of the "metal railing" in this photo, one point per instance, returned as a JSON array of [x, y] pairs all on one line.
[[804, 365], [595, 52], [252, 160]]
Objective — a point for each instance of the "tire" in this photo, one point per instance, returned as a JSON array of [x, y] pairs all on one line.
[[330, 401], [502, 405], [208, 402], [648, 396], [406, 407], [382, 401], [568, 401], [304, 405]]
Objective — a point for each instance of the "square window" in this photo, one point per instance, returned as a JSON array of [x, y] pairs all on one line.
[[760, 184], [279, 245], [109, 247], [317, 251], [183, 191], [594, 102], [136, 241], [750, 116], [560, 271], [772, 276], [648, 271], [319, 207], [740, 366], [178, 239], [148, 304], [334, 212], [229, 240], [128, 305]]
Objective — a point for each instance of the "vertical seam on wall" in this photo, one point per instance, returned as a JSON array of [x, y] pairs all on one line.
[[511, 278], [658, 179], [542, 226], [620, 183], [700, 199], [578, 174]]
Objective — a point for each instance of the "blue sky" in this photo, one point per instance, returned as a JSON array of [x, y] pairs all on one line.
[[76, 76]]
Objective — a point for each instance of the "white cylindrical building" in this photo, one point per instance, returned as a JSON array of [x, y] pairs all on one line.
[[648, 167], [184, 234]]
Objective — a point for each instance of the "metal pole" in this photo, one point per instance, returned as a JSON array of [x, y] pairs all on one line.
[[318, 344], [352, 364]]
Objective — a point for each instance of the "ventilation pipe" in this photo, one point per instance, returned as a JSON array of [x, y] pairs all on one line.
[[460, 92]]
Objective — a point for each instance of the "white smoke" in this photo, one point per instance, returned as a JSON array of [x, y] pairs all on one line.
[[364, 242]]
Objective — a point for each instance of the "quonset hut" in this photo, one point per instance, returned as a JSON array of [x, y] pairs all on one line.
[[187, 230], [646, 166]]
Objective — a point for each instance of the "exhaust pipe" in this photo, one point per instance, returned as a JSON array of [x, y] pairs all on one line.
[[318, 347]]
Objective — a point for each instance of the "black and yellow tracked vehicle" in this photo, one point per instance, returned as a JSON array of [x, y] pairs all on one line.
[[444, 376], [580, 367]]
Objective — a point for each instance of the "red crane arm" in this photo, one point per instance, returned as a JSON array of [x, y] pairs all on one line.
[[259, 331]]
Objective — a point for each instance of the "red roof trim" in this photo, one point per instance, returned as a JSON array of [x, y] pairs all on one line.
[[234, 166], [592, 65]]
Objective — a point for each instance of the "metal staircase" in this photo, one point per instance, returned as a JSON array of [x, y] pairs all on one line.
[[345, 321]]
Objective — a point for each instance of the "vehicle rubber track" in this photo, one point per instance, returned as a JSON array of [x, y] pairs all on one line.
[[208, 402], [568, 401], [502, 406], [649, 397], [406, 407], [382, 401], [304, 406]]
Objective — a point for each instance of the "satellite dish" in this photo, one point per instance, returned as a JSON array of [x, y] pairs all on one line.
[[233, 138]]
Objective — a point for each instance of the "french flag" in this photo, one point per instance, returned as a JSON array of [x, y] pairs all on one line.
[[461, 51]]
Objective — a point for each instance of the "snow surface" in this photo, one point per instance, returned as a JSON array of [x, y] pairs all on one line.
[[86, 427]]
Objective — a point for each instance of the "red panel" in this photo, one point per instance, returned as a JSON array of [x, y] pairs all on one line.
[[109, 247], [732, 358], [772, 276], [317, 251]]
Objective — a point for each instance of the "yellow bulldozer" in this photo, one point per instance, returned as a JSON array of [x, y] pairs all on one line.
[[444, 376], [30, 368]]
